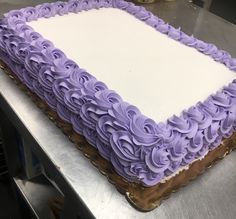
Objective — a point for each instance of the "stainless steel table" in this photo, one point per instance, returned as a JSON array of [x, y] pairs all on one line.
[[87, 193]]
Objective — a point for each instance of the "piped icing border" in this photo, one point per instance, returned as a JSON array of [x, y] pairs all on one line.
[[139, 149]]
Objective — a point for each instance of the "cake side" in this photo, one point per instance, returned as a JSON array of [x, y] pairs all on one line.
[[139, 149]]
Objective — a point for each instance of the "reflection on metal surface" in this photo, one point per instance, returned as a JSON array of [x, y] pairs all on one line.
[[37, 194], [225, 9]]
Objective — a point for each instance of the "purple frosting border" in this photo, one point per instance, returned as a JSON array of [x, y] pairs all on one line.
[[139, 149]]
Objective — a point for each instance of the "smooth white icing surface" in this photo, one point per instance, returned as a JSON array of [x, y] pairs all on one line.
[[159, 75]]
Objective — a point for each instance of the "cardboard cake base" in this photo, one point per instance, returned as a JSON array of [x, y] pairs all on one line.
[[142, 198]]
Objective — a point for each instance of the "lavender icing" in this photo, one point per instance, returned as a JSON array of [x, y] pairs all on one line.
[[139, 149]]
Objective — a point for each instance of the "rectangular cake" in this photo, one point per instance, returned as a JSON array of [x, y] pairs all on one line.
[[151, 106]]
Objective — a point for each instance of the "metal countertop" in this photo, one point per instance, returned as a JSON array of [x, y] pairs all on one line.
[[212, 195]]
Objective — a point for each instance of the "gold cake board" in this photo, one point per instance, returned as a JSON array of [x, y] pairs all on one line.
[[141, 197]]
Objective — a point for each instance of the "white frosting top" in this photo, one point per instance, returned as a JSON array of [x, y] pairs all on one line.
[[159, 75]]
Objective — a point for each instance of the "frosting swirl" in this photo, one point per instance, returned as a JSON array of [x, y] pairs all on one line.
[[105, 127], [74, 100], [196, 114], [123, 114], [157, 161], [60, 87], [178, 148], [46, 10], [184, 125], [91, 85], [78, 77], [144, 131]]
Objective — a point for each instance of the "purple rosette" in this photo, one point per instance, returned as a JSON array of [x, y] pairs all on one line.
[[202, 46], [188, 40], [230, 89], [31, 36], [124, 147], [74, 6], [125, 158], [79, 76], [46, 77], [231, 64], [13, 16], [121, 4], [4, 39], [174, 33], [92, 111], [167, 132], [184, 125], [105, 99], [22, 50], [63, 67], [222, 100], [220, 56], [90, 85], [60, 87], [11, 47], [144, 131], [143, 14], [163, 27], [123, 114], [157, 160], [57, 54], [106, 3], [226, 125], [43, 45], [105, 127], [22, 28], [46, 10], [196, 114], [30, 13], [87, 5], [211, 133], [210, 49], [74, 100], [217, 113], [61, 8], [152, 21], [178, 148], [33, 62], [196, 143], [133, 9]]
